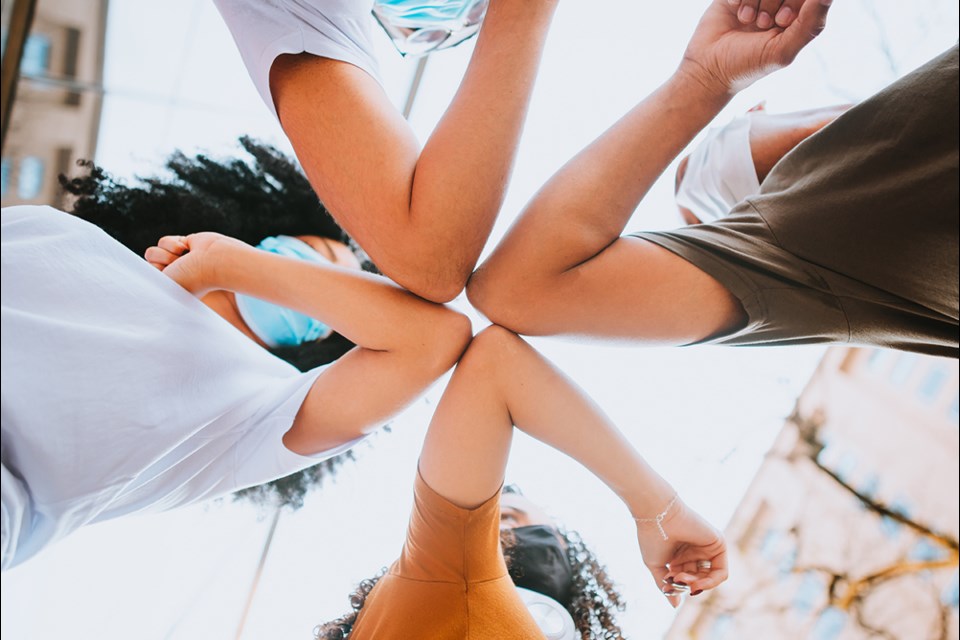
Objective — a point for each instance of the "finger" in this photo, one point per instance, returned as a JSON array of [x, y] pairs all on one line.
[[747, 12], [810, 22], [174, 244], [689, 556], [160, 256], [686, 577], [712, 581], [664, 585], [788, 13], [766, 11]]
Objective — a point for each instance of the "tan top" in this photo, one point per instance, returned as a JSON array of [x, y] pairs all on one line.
[[450, 582]]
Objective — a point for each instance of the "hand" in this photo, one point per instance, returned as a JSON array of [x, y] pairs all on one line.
[[689, 539], [189, 260], [767, 13], [727, 53]]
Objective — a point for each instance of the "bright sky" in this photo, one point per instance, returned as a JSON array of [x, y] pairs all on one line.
[[702, 416]]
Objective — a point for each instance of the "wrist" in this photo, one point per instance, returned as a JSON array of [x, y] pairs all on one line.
[[660, 525], [221, 262], [651, 500], [702, 87]]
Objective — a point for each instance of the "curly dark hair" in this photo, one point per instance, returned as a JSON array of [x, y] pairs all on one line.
[[593, 603], [249, 198]]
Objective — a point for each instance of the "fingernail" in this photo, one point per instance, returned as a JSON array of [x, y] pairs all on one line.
[[784, 17], [746, 14], [679, 584], [697, 592], [764, 21], [668, 580]]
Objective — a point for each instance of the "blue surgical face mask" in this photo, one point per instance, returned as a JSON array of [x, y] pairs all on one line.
[[418, 27], [278, 326]]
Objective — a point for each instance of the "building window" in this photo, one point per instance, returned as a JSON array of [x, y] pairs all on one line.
[[6, 168], [950, 594], [829, 624], [770, 545], [30, 181], [720, 630], [879, 360], [36, 55], [932, 383], [925, 550], [845, 466], [869, 486], [808, 593], [71, 54], [903, 368], [889, 526], [779, 550]]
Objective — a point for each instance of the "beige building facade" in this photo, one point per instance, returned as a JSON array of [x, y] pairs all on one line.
[[56, 116], [849, 529]]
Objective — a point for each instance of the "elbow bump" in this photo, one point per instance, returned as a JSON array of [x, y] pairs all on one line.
[[499, 305], [439, 288], [449, 336]]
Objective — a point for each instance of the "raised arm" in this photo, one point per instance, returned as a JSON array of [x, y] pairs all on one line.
[[404, 343], [563, 267], [422, 216], [501, 382]]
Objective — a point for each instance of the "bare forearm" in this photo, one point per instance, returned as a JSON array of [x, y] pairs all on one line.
[[586, 204], [369, 310], [500, 382], [547, 405], [463, 170]]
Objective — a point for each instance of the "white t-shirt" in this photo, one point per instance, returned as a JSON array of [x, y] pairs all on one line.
[[121, 392], [266, 29]]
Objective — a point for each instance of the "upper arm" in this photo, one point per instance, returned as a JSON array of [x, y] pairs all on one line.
[[633, 290], [358, 152]]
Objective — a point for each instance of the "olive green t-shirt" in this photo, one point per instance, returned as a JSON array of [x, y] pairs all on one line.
[[853, 236]]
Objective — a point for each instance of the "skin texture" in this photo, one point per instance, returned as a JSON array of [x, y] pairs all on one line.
[[224, 303], [501, 383], [563, 267], [518, 511], [404, 343], [422, 216], [772, 136]]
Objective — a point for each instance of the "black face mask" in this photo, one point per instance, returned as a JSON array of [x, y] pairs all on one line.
[[538, 561]]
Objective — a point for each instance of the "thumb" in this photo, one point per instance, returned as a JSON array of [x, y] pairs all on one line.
[[810, 22]]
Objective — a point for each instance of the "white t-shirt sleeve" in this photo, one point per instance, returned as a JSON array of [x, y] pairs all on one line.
[[261, 455], [122, 392], [266, 29]]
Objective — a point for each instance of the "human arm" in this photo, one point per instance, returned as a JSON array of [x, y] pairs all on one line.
[[404, 343], [563, 267], [422, 216], [501, 382]]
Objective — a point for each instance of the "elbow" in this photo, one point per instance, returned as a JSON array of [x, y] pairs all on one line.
[[439, 292], [504, 303], [439, 287], [448, 335]]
